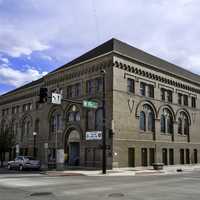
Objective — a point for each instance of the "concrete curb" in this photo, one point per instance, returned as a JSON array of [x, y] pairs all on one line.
[[139, 171]]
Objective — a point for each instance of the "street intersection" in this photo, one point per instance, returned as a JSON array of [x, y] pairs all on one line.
[[36, 186]]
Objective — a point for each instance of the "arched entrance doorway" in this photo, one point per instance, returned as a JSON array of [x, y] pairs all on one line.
[[72, 148]]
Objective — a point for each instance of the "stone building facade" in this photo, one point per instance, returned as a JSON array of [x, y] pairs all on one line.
[[152, 111]]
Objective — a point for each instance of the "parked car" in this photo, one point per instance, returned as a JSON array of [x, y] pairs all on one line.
[[24, 162]]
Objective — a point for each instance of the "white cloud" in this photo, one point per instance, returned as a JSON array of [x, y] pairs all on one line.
[[3, 59], [46, 57], [16, 42], [18, 78]]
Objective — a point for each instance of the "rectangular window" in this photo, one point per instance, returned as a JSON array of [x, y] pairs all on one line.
[[171, 156], [151, 91], [142, 89], [30, 106], [77, 89], [182, 160], [185, 98], [90, 87], [69, 91], [144, 157], [187, 156], [169, 96], [195, 156], [99, 85], [13, 110], [24, 108], [130, 85], [162, 94], [193, 102], [17, 109], [151, 156], [164, 156], [179, 98]]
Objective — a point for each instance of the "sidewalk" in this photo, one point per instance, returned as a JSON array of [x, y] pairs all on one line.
[[137, 171]]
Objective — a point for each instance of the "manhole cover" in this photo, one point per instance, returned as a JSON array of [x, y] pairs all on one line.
[[116, 195], [41, 194]]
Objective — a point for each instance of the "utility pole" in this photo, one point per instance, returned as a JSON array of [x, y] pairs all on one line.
[[104, 163]]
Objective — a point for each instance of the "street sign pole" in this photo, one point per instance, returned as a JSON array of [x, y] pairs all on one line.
[[104, 163]]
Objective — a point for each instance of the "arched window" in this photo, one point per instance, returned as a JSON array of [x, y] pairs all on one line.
[[186, 126], [53, 123], [23, 131], [183, 124], [73, 114], [166, 122], [142, 121], [147, 119], [56, 122], [90, 120], [70, 116], [99, 120], [77, 116], [180, 127], [151, 121], [162, 124], [28, 128], [169, 124]]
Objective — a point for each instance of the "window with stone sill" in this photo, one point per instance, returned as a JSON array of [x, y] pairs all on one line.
[[99, 119], [73, 114], [183, 124], [142, 89], [193, 102], [90, 87], [74, 90], [166, 122], [147, 119], [146, 89], [166, 95], [99, 84], [185, 100], [180, 98], [55, 122], [94, 86], [130, 85]]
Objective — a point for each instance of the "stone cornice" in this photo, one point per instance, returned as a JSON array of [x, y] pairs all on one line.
[[146, 65], [153, 76]]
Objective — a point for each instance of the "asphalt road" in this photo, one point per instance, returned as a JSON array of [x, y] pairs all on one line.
[[35, 186]]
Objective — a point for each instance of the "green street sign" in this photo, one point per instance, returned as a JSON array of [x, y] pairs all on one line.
[[90, 104]]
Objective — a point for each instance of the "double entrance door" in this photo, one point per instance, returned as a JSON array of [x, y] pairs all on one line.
[[74, 153]]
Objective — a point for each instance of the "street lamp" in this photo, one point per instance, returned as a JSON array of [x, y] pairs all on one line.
[[34, 144], [104, 163]]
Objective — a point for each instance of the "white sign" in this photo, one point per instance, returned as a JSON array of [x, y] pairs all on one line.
[[46, 146], [60, 156], [17, 148], [94, 135], [56, 98]]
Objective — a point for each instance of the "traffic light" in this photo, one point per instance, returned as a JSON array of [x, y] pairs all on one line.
[[43, 95]]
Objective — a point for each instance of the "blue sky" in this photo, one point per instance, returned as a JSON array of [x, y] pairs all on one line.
[[37, 36]]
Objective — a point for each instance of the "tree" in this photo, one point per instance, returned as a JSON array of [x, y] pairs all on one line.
[[7, 140]]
